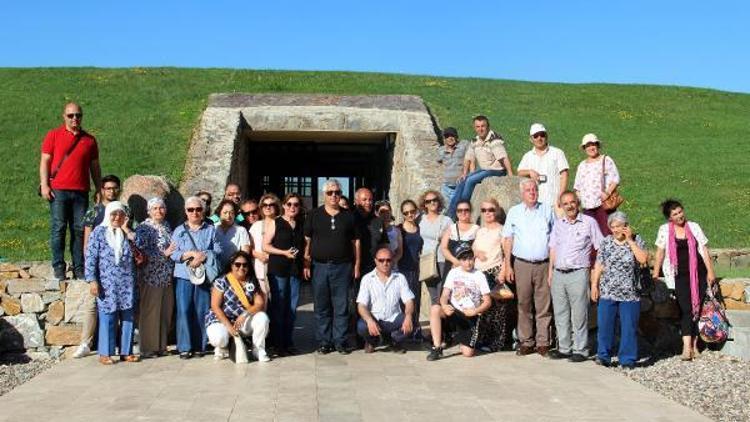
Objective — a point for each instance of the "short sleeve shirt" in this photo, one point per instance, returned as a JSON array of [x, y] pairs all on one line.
[[487, 152], [549, 164], [588, 181], [384, 300], [230, 303], [231, 241], [620, 269], [466, 288], [75, 172], [452, 161], [331, 235]]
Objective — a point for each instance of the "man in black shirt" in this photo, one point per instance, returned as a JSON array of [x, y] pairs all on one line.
[[332, 255], [370, 228]]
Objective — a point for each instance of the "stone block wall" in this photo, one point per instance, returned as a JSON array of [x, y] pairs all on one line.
[[35, 310]]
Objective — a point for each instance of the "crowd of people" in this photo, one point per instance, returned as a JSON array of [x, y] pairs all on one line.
[[234, 273]]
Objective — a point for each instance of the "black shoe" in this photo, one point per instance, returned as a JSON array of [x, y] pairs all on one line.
[[291, 351], [324, 350], [577, 358], [343, 350], [186, 355], [603, 363], [200, 354], [435, 353], [556, 355], [628, 366], [398, 349], [60, 275], [80, 275]]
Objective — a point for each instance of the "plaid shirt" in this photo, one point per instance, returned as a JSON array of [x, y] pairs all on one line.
[[231, 304]]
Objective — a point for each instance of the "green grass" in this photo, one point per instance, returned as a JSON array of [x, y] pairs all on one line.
[[667, 141]]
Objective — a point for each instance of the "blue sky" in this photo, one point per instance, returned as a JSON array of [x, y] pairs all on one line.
[[704, 44]]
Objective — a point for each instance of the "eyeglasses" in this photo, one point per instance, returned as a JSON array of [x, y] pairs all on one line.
[[292, 204], [333, 192], [240, 265], [487, 209], [463, 210], [197, 209], [384, 260], [431, 201], [409, 212], [382, 210], [539, 135], [268, 204], [72, 115]]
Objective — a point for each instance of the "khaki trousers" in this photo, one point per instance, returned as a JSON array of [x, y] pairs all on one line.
[[88, 309], [156, 306], [534, 303]]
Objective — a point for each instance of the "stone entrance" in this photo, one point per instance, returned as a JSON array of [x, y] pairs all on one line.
[[283, 143]]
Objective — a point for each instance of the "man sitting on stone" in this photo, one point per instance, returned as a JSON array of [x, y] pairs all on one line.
[[381, 294], [485, 157], [232, 193]]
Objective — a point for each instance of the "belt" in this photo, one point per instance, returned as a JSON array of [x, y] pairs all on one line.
[[569, 270], [532, 262]]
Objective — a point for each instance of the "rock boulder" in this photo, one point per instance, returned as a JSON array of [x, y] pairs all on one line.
[[504, 189], [20, 332]]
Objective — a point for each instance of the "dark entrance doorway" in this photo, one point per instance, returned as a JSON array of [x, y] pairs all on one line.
[[282, 162]]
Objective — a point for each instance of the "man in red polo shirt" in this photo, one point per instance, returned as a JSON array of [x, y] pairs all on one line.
[[70, 157]]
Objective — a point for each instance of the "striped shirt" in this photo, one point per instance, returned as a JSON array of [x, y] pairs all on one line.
[[384, 299]]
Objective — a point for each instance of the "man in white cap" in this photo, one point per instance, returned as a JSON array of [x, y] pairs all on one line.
[[547, 166]]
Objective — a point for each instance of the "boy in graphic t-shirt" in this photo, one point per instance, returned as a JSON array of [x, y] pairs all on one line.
[[465, 296]]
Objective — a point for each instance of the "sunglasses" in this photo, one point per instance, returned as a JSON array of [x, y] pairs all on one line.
[[487, 209], [292, 204], [384, 260], [333, 192], [539, 135], [240, 265], [268, 205], [431, 201], [409, 212], [463, 210], [197, 209], [72, 115], [251, 212]]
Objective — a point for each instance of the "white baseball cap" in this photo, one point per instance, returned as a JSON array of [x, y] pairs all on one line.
[[536, 128], [590, 138]]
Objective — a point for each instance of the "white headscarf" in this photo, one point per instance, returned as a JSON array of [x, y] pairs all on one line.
[[115, 236]]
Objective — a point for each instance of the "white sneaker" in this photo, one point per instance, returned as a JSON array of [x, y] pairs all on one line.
[[221, 353], [82, 351], [261, 355]]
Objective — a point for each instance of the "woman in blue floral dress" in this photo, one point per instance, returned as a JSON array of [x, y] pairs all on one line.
[[110, 271], [155, 280]]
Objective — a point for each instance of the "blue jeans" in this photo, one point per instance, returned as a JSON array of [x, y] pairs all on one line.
[[448, 191], [330, 299], [412, 278], [388, 330], [108, 332], [192, 306], [465, 189], [607, 312], [66, 211], [283, 308]]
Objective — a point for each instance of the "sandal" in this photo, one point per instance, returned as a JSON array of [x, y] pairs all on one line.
[[130, 358], [106, 360]]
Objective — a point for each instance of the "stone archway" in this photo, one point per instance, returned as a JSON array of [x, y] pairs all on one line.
[[219, 151]]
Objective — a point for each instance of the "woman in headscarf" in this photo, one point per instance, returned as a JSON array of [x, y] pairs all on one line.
[[110, 272], [682, 254], [155, 280]]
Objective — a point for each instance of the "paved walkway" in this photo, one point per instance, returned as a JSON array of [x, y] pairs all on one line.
[[358, 387]]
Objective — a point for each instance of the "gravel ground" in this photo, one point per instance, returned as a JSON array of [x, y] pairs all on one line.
[[15, 371], [715, 385]]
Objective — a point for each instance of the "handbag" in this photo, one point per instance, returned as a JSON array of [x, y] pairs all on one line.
[[614, 199], [713, 325], [57, 169], [140, 258], [644, 283], [428, 266], [501, 291]]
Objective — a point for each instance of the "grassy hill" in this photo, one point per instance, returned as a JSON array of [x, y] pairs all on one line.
[[667, 141]]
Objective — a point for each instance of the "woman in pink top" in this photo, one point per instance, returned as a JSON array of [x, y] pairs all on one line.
[[497, 323], [596, 178]]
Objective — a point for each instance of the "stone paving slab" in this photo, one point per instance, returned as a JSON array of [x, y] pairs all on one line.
[[358, 387]]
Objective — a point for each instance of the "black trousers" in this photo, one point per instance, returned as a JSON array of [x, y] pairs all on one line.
[[688, 326]]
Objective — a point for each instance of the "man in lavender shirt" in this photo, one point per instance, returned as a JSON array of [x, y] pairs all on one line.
[[570, 247]]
